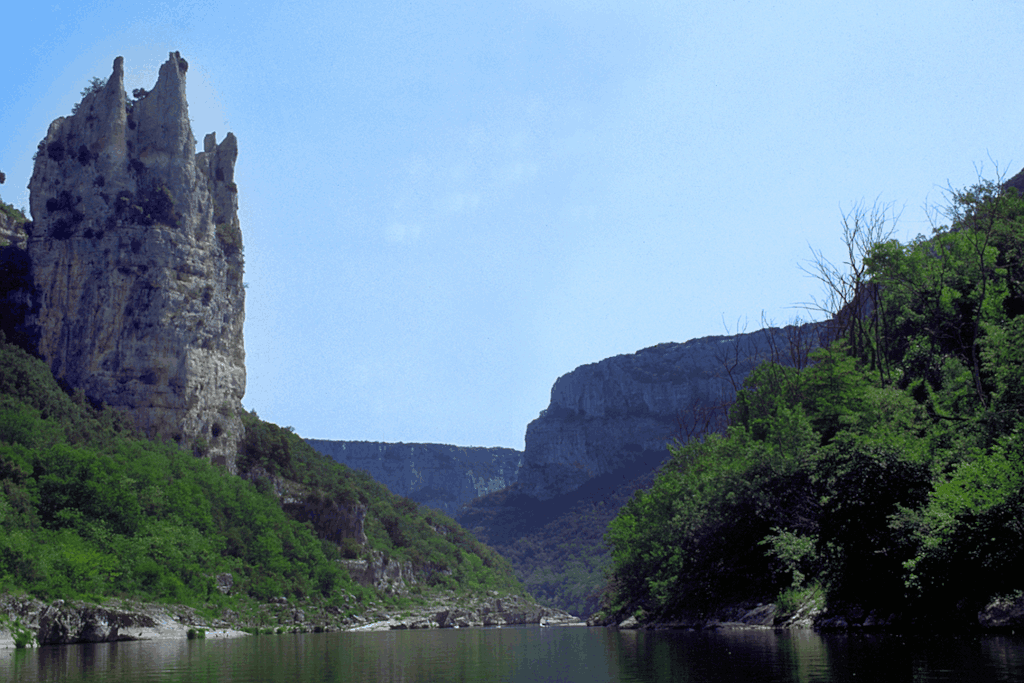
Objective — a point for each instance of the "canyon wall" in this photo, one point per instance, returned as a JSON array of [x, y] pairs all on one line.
[[436, 475], [606, 429], [608, 415]]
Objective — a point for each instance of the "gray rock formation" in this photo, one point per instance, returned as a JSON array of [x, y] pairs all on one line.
[[136, 256], [1002, 613], [385, 575], [332, 521], [493, 611], [489, 611], [626, 409], [436, 475], [60, 623]]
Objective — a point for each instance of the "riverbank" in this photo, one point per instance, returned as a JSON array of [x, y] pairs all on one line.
[[999, 615], [749, 616], [60, 622]]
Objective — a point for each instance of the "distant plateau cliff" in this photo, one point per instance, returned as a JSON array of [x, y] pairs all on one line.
[[436, 475]]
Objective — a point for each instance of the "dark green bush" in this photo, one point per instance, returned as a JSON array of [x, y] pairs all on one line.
[[888, 471]]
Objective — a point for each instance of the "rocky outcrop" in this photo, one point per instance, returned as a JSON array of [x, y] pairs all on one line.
[[744, 616], [333, 521], [386, 575], [64, 623], [439, 476], [1003, 613], [136, 258], [1016, 182], [623, 410], [61, 624], [34, 622], [489, 611]]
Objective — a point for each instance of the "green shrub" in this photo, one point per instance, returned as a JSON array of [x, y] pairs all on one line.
[[794, 598], [88, 509], [888, 471], [11, 212], [21, 634], [230, 238]]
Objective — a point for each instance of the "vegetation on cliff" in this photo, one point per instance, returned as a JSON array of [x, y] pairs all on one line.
[[399, 528], [888, 474], [556, 546], [90, 510], [13, 226], [16, 215]]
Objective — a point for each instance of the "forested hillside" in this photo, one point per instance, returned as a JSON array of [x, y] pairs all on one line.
[[90, 510], [886, 476], [556, 546]]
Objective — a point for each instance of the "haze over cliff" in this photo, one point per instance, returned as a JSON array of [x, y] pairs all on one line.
[[136, 263], [436, 475], [617, 415]]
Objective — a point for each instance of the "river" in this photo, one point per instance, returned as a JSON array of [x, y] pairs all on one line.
[[531, 654]]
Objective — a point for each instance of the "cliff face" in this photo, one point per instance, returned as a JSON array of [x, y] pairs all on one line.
[[438, 476], [136, 259], [604, 432], [625, 410]]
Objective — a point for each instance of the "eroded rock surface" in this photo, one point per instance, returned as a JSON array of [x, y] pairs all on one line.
[[136, 254], [608, 415], [64, 623]]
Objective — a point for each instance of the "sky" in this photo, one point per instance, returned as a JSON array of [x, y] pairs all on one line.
[[448, 205]]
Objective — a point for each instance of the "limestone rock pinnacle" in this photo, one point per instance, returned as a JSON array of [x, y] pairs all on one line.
[[136, 254]]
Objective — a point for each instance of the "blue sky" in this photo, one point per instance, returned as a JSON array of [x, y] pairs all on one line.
[[446, 206]]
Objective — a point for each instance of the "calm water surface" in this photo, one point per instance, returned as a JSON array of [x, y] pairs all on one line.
[[531, 654]]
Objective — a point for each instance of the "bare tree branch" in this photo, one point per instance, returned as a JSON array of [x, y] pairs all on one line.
[[849, 298]]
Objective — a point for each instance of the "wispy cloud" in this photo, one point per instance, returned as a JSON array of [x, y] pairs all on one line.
[[475, 172], [461, 202], [401, 233]]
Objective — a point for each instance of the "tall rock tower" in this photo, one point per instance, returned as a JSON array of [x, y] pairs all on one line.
[[137, 262]]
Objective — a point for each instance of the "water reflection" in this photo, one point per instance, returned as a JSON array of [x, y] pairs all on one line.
[[531, 654]]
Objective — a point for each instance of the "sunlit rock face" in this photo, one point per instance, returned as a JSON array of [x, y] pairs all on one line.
[[136, 254], [624, 411], [436, 475], [12, 232]]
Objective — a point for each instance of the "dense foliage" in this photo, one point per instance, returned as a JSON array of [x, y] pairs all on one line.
[[17, 215], [556, 546], [888, 473], [396, 527], [90, 510]]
